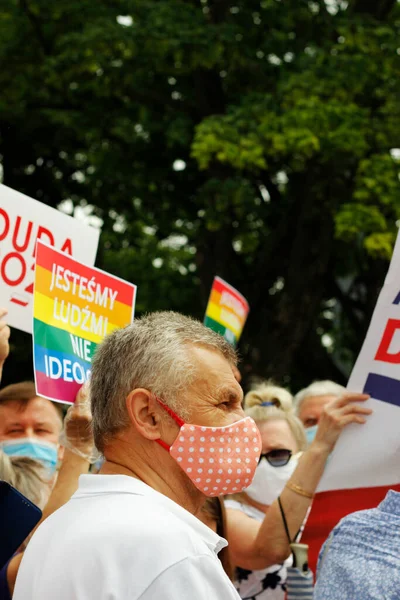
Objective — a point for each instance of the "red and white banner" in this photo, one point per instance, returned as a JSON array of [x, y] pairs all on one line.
[[366, 459], [23, 221]]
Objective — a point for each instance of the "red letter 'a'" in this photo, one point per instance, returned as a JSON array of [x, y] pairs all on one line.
[[392, 326], [67, 247]]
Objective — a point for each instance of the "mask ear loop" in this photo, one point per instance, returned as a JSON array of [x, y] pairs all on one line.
[[172, 414]]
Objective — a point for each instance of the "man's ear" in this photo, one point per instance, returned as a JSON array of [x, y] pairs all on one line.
[[144, 414]]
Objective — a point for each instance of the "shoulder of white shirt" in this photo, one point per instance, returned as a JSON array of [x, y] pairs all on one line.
[[113, 485]]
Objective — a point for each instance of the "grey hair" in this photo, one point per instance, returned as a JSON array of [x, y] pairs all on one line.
[[153, 353], [318, 388]]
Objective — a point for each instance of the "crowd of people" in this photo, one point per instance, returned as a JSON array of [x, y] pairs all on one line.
[[163, 481]]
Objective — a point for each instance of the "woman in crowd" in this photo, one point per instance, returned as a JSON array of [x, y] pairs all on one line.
[[283, 441], [257, 536]]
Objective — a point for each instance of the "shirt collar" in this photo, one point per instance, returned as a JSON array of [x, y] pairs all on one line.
[[123, 484], [391, 503]]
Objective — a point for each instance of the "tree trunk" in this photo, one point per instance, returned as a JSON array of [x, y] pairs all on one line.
[[286, 317]]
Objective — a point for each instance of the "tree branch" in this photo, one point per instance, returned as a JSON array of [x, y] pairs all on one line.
[[379, 9], [348, 306], [218, 9], [36, 27]]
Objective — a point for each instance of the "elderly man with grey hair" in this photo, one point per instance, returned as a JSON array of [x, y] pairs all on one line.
[[310, 402], [167, 416]]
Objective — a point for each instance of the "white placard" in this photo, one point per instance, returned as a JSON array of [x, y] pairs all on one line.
[[23, 221], [369, 455]]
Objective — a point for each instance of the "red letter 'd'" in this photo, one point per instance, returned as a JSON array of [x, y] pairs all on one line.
[[6, 218], [392, 326]]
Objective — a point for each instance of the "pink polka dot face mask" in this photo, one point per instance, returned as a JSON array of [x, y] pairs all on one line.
[[218, 460]]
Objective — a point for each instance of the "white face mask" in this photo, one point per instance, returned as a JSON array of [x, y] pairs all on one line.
[[269, 481]]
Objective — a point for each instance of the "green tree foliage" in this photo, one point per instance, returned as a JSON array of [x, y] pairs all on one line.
[[254, 139]]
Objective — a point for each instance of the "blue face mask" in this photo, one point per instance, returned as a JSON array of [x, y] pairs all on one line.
[[311, 432], [42, 451]]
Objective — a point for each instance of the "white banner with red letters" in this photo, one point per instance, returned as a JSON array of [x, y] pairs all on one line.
[[23, 221], [365, 463], [370, 455]]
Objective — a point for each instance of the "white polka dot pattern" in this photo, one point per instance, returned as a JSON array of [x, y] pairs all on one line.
[[218, 460]]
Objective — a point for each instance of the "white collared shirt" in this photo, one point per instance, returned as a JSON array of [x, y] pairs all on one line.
[[118, 539]]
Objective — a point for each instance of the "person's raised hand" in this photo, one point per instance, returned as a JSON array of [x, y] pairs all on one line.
[[4, 337], [336, 415], [77, 435]]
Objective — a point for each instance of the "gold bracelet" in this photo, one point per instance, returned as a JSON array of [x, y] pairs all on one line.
[[299, 490]]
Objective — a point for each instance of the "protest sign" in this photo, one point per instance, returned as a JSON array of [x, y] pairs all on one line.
[[23, 221], [226, 311], [74, 308], [366, 459]]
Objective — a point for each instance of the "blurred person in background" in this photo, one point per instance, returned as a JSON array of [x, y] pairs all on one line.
[[311, 401], [25, 418], [258, 542], [30, 426]]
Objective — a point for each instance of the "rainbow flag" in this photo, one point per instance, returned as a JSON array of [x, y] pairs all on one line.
[[226, 311], [74, 308]]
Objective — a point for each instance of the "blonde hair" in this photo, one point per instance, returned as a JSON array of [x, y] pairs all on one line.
[[27, 476], [267, 401]]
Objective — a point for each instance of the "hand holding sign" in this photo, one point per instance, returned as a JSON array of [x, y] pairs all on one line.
[[336, 415], [77, 435]]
